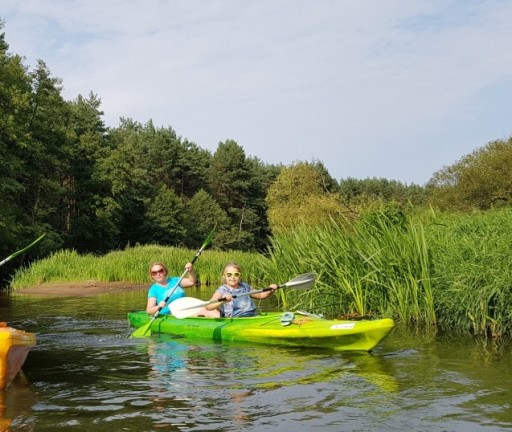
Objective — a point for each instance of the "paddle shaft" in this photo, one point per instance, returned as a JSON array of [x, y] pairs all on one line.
[[246, 294], [185, 306], [222, 299], [15, 254], [301, 282], [285, 285], [253, 292]]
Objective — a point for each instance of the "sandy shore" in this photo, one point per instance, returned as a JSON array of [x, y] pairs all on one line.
[[74, 289]]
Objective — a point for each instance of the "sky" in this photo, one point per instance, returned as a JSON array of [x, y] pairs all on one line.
[[395, 89]]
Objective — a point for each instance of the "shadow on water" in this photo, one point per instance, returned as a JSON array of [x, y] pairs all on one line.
[[86, 374]]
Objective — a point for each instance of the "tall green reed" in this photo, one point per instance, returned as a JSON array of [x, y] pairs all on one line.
[[436, 270], [378, 265], [472, 272]]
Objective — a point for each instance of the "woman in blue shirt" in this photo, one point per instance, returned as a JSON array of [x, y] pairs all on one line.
[[165, 286]]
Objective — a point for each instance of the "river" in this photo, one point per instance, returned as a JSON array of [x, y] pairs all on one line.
[[87, 374]]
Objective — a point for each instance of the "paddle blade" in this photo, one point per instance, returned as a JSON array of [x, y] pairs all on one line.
[[144, 331], [185, 307], [303, 281], [208, 239], [15, 254]]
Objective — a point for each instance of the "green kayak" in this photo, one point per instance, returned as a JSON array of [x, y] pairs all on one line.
[[275, 328]]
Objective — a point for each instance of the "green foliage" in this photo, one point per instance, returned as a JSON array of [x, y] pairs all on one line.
[[201, 215], [83, 190], [163, 220], [301, 195], [33, 162], [229, 175], [239, 185], [430, 270], [480, 180], [15, 91], [363, 193]]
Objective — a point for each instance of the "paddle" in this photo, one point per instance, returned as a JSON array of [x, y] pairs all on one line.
[[15, 254], [187, 306], [142, 331]]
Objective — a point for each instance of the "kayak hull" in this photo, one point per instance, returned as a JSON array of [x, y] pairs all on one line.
[[305, 330], [14, 348]]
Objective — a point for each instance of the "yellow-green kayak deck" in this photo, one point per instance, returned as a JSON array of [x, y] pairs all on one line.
[[304, 330]]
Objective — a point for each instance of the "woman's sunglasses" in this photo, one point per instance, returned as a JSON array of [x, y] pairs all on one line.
[[235, 274], [157, 272]]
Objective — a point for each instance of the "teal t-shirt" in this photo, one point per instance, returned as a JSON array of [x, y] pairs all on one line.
[[161, 292]]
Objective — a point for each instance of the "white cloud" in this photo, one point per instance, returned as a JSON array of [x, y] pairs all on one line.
[[391, 89]]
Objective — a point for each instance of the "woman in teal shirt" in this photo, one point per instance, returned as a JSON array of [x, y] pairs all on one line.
[[165, 286]]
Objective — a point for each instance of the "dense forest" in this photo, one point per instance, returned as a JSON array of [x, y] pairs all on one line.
[[92, 188]]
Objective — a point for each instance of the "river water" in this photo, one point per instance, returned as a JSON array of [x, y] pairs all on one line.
[[87, 374]]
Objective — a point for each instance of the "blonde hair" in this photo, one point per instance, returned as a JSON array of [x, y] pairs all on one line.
[[160, 264], [230, 264]]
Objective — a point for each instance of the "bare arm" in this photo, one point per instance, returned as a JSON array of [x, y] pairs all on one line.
[[265, 294], [191, 279], [218, 304], [152, 307]]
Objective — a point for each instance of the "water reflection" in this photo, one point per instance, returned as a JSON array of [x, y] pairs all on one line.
[[241, 380], [263, 367], [87, 374]]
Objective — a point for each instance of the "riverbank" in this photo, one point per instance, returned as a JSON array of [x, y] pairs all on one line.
[[78, 289]]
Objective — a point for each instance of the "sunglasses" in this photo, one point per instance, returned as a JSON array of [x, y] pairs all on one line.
[[157, 272], [235, 274]]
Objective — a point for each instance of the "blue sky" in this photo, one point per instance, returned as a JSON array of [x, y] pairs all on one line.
[[396, 89]]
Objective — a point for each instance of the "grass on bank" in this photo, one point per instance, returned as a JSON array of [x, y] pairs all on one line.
[[132, 265]]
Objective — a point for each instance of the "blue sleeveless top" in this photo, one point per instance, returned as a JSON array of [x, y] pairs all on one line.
[[238, 307]]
